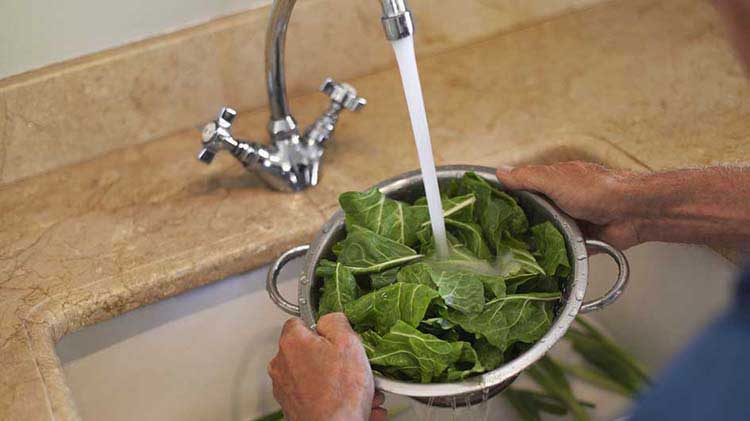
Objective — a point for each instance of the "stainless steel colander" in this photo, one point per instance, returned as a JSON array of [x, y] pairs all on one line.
[[408, 187]]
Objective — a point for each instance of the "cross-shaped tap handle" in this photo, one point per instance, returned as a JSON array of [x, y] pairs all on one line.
[[217, 134], [343, 94]]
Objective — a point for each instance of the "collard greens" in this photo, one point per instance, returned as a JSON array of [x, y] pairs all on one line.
[[425, 319]]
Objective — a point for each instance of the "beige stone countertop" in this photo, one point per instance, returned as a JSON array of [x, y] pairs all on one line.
[[636, 83]]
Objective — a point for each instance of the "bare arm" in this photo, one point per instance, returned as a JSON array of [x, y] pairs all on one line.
[[700, 206], [737, 15]]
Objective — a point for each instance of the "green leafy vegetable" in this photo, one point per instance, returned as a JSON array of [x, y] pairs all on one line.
[[515, 263], [469, 235], [595, 378], [551, 378], [611, 361], [339, 288], [459, 208], [461, 291], [381, 309], [461, 259], [490, 356], [615, 376], [416, 273], [541, 283], [550, 247], [379, 214], [509, 319], [420, 356], [495, 211], [438, 323], [468, 363], [364, 251], [382, 279], [530, 404]]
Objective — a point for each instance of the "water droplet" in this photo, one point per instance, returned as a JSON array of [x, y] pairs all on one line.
[[430, 406], [485, 405]]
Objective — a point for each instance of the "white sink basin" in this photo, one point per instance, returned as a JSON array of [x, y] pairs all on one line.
[[202, 355]]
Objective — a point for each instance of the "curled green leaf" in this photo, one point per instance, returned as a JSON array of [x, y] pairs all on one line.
[[339, 289], [364, 251], [381, 309]]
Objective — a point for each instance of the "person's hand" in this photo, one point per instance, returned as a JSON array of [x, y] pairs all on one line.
[[324, 376], [594, 195], [698, 206]]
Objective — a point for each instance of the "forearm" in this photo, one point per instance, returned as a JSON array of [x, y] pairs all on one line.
[[705, 206], [737, 16]]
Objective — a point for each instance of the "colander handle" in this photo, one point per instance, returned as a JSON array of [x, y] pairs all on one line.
[[273, 279], [622, 277]]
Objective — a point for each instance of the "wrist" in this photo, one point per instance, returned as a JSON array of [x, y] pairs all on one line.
[[642, 197]]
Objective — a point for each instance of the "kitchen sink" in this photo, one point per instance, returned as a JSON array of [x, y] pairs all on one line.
[[202, 355]]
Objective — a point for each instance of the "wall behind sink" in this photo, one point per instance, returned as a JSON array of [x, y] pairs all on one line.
[[41, 32], [79, 109]]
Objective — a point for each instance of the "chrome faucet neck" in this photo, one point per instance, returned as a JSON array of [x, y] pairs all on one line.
[[282, 121]]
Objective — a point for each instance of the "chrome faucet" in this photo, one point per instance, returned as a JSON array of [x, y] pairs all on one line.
[[292, 161]]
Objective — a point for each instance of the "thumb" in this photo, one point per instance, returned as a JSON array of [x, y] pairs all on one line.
[[525, 178], [334, 326]]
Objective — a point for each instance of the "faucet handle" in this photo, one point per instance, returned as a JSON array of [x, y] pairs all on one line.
[[343, 94], [217, 135], [226, 117]]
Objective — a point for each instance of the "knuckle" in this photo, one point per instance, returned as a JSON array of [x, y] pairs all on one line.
[[287, 342], [273, 369], [331, 318], [291, 324], [348, 342], [352, 340]]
